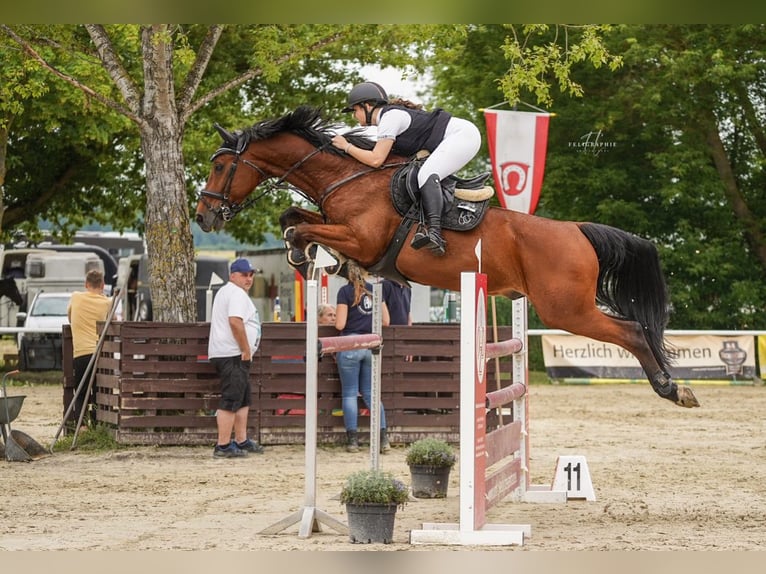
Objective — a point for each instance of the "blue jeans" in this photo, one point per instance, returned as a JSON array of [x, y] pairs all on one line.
[[355, 370]]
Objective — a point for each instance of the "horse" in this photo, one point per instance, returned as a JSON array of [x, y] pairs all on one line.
[[586, 278], [8, 288]]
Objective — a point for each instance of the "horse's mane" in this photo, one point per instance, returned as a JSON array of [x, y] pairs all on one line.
[[308, 123]]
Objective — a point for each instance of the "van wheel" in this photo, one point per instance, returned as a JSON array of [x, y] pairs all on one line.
[[23, 356]]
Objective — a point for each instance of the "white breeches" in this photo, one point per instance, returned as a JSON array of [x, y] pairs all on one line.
[[461, 142]]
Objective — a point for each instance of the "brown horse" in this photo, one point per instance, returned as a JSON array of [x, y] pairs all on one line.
[[567, 270]]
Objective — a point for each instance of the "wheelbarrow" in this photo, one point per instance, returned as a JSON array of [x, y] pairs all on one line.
[[18, 446]]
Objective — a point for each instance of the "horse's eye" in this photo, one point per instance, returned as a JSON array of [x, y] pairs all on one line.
[[218, 167]]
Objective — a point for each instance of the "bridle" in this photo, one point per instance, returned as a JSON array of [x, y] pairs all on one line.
[[228, 209]]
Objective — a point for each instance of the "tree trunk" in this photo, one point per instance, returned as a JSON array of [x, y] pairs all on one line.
[[169, 239], [753, 235]]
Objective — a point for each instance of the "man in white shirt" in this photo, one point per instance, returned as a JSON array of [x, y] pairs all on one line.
[[235, 332]]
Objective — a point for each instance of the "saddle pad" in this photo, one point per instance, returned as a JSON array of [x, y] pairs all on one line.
[[460, 215]]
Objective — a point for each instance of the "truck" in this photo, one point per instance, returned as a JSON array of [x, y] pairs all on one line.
[[36, 269], [59, 271], [133, 273]]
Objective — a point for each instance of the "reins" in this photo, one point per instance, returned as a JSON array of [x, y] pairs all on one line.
[[338, 184], [228, 210]]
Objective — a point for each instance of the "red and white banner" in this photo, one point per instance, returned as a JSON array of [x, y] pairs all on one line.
[[518, 142]]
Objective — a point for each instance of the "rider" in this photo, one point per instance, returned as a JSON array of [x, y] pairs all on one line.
[[405, 128]]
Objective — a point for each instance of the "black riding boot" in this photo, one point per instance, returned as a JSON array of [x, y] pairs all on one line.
[[433, 202], [352, 441]]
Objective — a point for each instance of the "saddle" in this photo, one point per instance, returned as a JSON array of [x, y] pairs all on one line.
[[465, 202]]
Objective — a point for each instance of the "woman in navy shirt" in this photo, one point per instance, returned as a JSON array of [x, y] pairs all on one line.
[[354, 317]]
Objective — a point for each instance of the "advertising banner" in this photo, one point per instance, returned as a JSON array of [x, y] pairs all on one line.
[[693, 357]]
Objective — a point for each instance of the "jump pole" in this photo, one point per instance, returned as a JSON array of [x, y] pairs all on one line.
[[310, 517]]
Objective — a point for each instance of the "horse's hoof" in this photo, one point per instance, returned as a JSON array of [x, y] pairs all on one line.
[[686, 397], [296, 257]]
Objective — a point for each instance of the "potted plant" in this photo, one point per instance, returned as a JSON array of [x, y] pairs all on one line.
[[372, 498], [430, 461]]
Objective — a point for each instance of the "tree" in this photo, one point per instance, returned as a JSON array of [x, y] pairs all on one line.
[[158, 77], [686, 169], [683, 116], [57, 153]]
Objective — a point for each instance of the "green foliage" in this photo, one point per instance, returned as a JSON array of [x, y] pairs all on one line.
[[431, 451], [374, 487], [542, 56], [681, 105]]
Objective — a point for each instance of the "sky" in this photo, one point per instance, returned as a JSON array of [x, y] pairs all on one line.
[[391, 80]]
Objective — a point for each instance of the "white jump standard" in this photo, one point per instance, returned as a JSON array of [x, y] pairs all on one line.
[[310, 517], [503, 451]]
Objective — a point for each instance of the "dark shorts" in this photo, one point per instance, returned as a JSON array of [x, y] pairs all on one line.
[[235, 382]]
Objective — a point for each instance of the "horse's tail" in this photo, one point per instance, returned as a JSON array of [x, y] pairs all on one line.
[[631, 283]]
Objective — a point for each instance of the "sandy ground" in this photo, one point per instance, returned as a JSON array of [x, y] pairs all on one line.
[[665, 478]]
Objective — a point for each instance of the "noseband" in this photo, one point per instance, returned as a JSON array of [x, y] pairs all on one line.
[[227, 209]]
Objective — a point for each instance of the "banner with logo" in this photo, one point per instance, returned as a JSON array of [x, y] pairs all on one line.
[[518, 142], [694, 357]]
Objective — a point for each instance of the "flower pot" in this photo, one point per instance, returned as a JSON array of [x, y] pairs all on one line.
[[369, 523], [429, 481]]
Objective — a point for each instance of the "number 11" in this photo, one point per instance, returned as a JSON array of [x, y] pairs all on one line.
[[569, 469]]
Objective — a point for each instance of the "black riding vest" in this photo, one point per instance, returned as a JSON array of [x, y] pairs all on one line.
[[425, 132]]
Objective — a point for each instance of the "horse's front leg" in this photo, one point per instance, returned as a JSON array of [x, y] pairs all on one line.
[[341, 238], [294, 216]]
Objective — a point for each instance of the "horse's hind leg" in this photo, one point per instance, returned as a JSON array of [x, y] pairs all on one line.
[[629, 335]]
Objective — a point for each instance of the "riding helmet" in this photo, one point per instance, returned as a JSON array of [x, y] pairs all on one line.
[[366, 92]]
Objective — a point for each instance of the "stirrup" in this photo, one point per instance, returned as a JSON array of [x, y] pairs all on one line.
[[421, 238]]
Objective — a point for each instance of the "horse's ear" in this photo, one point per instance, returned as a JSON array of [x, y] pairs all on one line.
[[227, 136]]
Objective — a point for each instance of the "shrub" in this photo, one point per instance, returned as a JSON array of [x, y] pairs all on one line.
[[374, 487], [431, 452]]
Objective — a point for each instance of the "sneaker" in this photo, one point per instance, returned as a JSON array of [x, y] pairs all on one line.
[[230, 451], [250, 446]]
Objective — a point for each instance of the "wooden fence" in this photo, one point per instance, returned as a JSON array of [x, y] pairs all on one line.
[[154, 384]]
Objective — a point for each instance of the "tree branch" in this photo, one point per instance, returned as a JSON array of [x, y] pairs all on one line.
[[197, 71], [753, 235], [249, 75], [114, 67], [108, 102], [752, 120], [18, 213]]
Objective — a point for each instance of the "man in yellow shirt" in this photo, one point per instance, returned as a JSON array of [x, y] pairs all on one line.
[[86, 309]]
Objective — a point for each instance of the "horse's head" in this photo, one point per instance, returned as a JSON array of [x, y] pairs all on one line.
[[223, 195], [281, 148]]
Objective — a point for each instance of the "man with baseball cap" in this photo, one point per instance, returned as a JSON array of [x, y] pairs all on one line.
[[235, 332]]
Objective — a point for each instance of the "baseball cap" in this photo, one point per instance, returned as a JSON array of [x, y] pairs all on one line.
[[242, 265]]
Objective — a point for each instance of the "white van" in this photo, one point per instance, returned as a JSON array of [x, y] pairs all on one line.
[[42, 351]]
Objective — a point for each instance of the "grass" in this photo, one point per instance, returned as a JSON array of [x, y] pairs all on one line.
[[94, 439], [27, 378]]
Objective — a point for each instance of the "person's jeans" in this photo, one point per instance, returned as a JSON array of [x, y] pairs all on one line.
[[355, 370]]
